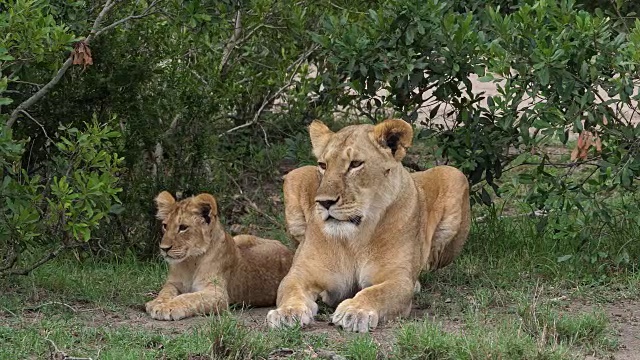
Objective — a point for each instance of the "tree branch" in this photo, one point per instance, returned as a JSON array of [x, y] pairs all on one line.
[[270, 98], [145, 13], [231, 44], [95, 31], [42, 260]]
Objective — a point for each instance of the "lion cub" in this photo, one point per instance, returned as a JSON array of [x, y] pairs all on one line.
[[209, 269]]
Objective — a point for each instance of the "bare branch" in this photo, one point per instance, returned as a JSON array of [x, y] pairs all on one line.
[[95, 31], [231, 44], [10, 260], [42, 260], [40, 93], [268, 99], [145, 13]]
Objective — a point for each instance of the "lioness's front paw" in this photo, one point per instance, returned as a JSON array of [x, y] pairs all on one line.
[[168, 311], [352, 316], [290, 316]]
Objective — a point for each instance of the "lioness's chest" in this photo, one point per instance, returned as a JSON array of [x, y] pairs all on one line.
[[346, 282]]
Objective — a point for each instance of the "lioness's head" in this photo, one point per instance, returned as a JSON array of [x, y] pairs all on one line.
[[361, 171], [187, 225]]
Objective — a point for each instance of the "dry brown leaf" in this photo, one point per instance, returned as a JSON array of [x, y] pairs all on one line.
[[82, 54], [574, 154], [598, 143]]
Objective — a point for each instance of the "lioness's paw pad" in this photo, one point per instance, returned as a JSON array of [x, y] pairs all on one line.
[[355, 318], [164, 311], [289, 316]]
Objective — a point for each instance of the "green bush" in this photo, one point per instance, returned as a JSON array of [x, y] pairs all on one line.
[[216, 97], [40, 216]]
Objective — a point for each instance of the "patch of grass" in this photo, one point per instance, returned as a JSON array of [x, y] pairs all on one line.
[[431, 342], [361, 347], [585, 329]]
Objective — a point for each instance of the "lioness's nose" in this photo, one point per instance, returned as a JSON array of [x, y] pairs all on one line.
[[326, 203], [165, 247]]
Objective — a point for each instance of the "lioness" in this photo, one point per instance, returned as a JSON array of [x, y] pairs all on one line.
[[366, 227], [208, 269]]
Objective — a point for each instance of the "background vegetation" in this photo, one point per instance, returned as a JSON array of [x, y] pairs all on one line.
[[103, 104]]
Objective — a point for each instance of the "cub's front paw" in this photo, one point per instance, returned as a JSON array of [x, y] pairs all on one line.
[[291, 316], [149, 306], [352, 316], [168, 311]]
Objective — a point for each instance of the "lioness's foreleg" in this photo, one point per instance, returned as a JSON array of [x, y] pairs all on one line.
[[296, 303], [389, 298], [210, 300]]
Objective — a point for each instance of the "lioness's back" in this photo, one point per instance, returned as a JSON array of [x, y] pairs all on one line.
[[446, 192]]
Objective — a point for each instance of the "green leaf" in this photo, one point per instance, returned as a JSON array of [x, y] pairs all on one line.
[[487, 78], [116, 209], [564, 258]]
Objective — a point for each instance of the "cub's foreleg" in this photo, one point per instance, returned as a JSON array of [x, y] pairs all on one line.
[[168, 292], [212, 299]]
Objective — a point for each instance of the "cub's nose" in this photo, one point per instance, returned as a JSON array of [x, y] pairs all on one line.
[[165, 248], [327, 203]]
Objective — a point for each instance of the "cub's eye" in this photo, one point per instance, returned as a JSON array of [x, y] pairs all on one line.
[[322, 165], [164, 227], [355, 164], [182, 228]]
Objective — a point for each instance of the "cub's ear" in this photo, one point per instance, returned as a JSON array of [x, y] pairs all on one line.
[[164, 203], [320, 135], [394, 134], [207, 206]]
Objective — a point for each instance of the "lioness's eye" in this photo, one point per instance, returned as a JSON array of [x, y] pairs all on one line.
[[355, 164], [182, 228], [164, 227], [322, 165]]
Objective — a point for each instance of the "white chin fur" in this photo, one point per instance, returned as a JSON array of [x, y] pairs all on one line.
[[174, 261], [340, 229]]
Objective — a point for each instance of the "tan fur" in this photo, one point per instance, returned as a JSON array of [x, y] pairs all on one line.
[[383, 226], [208, 269]]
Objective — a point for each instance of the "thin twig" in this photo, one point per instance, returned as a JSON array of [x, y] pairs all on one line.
[[253, 205], [58, 354], [39, 124], [52, 303]]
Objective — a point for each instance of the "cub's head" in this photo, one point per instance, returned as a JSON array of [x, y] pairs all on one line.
[[361, 173], [187, 225]]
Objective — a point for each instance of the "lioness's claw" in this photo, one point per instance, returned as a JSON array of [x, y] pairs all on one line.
[[289, 316], [351, 317]]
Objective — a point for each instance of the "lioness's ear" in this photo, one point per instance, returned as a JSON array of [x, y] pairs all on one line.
[[394, 134], [320, 135], [164, 202], [207, 206]]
